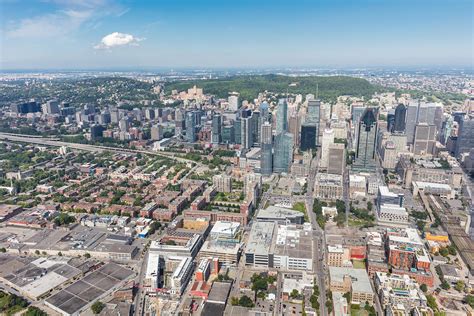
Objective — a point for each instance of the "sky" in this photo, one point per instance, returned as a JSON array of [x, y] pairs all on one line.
[[127, 34]]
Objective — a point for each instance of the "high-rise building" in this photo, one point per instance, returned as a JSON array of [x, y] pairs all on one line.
[[465, 141], [233, 102], [124, 124], [422, 112], [308, 137], [366, 141], [390, 120], [283, 152], [266, 155], [264, 112], [222, 183], [327, 141], [425, 139], [411, 121], [238, 131], [246, 132], [216, 128], [294, 128], [256, 124], [282, 117], [191, 125], [400, 117], [228, 135], [156, 132], [314, 116], [51, 107], [96, 131], [336, 159]]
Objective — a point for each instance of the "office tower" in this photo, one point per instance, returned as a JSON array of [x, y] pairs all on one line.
[[191, 125], [179, 122], [233, 102], [104, 118], [96, 131], [246, 132], [356, 113], [400, 116], [282, 117], [283, 152], [256, 124], [157, 132], [294, 127], [266, 159], [149, 113], [114, 116], [465, 141], [390, 120], [238, 131], [228, 135], [264, 112], [366, 141], [124, 124], [51, 107], [308, 137], [216, 128], [336, 159], [328, 140], [425, 139], [313, 116], [411, 121]]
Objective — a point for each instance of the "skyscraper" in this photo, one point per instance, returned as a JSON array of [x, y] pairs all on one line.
[[328, 140], [390, 120], [157, 132], [308, 137], [283, 152], [238, 131], [191, 127], [216, 133], [282, 117], [266, 155], [314, 116], [233, 102], [400, 116], [366, 141], [465, 141], [246, 131], [337, 159], [425, 139]]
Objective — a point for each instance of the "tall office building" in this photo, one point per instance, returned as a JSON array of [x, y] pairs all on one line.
[[400, 116], [246, 132], [465, 141], [266, 155], [390, 120], [337, 159], [238, 131], [422, 112], [313, 116], [283, 152], [157, 132], [308, 137], [51, 107], [282, 117], [216, 133], [425, 139], [233, 102], [256, 124], [191, 124], [179, 121], [124, 124], [327, 141], [264, 112], [228, 135], [294, 127], [366, 141]]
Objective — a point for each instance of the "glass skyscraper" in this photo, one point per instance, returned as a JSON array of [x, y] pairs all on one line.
[[282, 117], [283, 152], [366, 141]]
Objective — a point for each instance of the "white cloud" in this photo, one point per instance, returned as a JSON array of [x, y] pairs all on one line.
[[117, 39]]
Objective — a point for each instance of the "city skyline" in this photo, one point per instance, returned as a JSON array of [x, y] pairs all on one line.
[[100, 34]]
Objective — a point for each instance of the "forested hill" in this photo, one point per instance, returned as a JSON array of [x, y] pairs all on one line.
[[249, 86]]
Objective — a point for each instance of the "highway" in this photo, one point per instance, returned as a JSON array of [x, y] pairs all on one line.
[[319, 240]]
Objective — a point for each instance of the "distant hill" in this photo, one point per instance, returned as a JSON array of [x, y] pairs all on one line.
[[249, 86]]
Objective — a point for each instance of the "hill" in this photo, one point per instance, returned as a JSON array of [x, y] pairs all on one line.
[[249, 86]]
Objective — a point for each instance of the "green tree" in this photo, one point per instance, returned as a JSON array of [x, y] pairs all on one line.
[[431, 301], [459, 286], [246, 301], [469, 299], [294, 294], [424, 288], [97, 307], [444, 252]]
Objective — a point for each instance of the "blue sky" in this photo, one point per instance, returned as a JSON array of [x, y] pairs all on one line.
[[173, 33]]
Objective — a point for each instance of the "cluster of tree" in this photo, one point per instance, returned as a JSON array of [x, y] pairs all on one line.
[[314, 296], [97, 307], [34, 311], [318, 209], [64, 219], [260, 284], [10, 301], [244, 301], [250, 86]]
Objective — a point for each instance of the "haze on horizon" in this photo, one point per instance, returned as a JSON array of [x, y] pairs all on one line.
[[98, 34]]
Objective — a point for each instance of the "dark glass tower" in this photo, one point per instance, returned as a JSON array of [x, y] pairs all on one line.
[[400, 116], [366, 141]]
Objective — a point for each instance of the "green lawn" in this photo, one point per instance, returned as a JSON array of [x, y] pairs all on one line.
[[359, 312], [358, 264], [301, 207]]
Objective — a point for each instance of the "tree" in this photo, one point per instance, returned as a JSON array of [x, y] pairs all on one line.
[[234, 301], [431, 301], [369, 206], [3, 250], [445, 285], [444, 252], [452, 250], [469, 300], [87, 255], [347, 295], [424, 288], [329, 306], [97, 307], [459, 286], [246, 301], [294, 294], [420, 225], [35, 311]]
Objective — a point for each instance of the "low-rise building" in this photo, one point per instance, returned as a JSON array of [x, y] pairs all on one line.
[[355, 281]]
